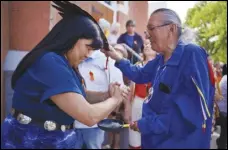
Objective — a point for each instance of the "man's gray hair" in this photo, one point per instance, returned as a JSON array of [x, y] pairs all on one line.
[[170, 16]]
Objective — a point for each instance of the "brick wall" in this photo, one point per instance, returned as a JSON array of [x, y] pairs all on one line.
[[122, 19], [29, 23], [4, 48], [4, 29], [138, 11]]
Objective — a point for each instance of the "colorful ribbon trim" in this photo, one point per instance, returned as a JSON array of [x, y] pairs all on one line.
[[202, 96]]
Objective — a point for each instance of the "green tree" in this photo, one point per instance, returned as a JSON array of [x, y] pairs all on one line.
[[210, 21]]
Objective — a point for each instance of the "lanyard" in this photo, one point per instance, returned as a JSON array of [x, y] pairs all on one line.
[[158, 74]]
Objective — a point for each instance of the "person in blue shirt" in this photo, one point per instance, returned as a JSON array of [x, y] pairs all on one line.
[[49, 94], [178, 111], [132, 39]]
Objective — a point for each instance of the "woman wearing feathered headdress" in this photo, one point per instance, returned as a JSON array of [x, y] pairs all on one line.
[[49, 94]]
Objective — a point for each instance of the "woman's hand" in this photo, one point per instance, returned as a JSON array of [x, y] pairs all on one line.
[[111, 88], [121, 92], [117, 93]]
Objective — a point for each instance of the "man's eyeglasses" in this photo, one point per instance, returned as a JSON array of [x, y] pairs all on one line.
[[152, 28]]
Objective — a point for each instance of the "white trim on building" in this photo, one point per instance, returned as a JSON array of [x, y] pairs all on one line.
[[51, 17], [113, 7], [13, 58], [124, 8]]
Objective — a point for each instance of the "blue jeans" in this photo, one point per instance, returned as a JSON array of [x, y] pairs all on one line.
[[91, 137]]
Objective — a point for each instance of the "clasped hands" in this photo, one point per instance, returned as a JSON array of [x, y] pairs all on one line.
[[120, 92]]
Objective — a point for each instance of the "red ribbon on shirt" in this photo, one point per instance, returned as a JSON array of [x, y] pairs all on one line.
[[91, 76]]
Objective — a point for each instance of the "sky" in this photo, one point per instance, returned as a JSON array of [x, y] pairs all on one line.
[[180, 7]]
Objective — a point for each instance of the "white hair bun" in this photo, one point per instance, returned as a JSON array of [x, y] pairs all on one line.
[[115, 26], [104, 24]]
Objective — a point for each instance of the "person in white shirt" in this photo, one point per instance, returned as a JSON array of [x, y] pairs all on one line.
[[222, 119], [97, 76], [223, 87], [105, 26], [114, 33], [123, 112]]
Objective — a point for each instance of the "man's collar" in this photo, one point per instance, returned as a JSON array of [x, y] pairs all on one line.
[[176, 55]]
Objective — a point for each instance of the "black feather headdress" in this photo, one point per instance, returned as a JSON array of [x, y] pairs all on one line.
[[67, 9]]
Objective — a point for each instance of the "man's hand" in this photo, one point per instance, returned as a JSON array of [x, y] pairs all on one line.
[[134, 126], [112, 53]]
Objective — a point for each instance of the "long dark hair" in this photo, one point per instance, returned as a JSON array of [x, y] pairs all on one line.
[[60, 40]]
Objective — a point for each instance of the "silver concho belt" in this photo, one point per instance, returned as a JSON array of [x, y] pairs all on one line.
[[48, 125]]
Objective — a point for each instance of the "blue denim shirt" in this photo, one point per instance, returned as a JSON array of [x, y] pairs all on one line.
[[172, 114]]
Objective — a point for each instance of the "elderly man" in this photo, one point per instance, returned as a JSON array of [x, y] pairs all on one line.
[[177, 113]]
